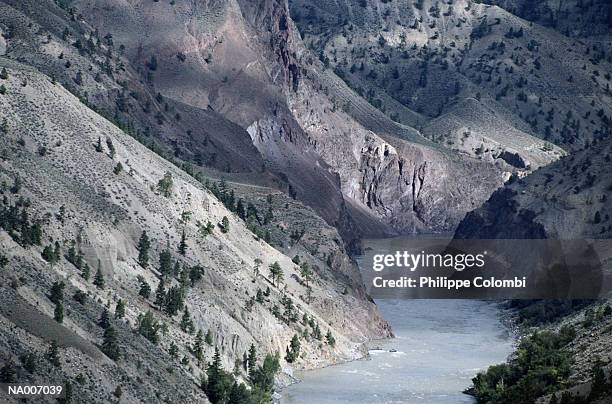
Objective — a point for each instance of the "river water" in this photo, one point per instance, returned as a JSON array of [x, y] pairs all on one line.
[[440, 344]]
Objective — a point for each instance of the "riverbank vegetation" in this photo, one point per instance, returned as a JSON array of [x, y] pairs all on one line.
[[540, 366]]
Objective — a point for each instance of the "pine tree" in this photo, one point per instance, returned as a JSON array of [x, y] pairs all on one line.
[[216, 384], [173, 351], [110, 344], [99, 277], [276, 273], [3, 74], [148, 326], [198, 347], [182, 248], [53, 354], [160, 294], [316, 332], [118, 168], [118, 392], [57, 292], [144, 244], [57, 252], [58, 313], [98, 145], [184, 278], [252, 361], [186, 322], [111, 148], [293, 350], [165, 185], [241, 210], [306, 273], [208, 338], [120, 309], [29, 360], [8, 373], [225, 225], [86, 272], [48, 254], [145, 288], [104, 320], [165, 262], [174, 301], [331, 341]]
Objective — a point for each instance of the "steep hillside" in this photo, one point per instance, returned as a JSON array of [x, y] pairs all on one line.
[[200, 81], [567, 199], [590, 19], [429, 57], [78, 193]]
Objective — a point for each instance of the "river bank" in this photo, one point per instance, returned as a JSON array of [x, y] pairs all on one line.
[[439, 346]]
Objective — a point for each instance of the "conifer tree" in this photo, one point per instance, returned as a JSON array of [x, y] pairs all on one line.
[[174, 301], [99, 277], [241, 210], [57, 252], [186, 322], [144, 244], [293, 350], [58, 313], [306, 273], [148, 326], [86, 272], [160, 294], [111, 147], [104, 320], [208, 338], [48, 254], [120, 309], [165, 185], [53, 354], [110, 344], [145, 288], [276, 273], [98, 145], [331, 341], [57, 292], [165, 261], [225, 225], [182, 248], [3, 74], [173, 351], [252, 361], [8, 373], [198, 347]]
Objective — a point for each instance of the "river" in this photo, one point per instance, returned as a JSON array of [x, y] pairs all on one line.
[[440, 344]]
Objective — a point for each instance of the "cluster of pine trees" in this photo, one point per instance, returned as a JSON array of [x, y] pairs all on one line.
[[16, 221], [246, 211], [221, 386]]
